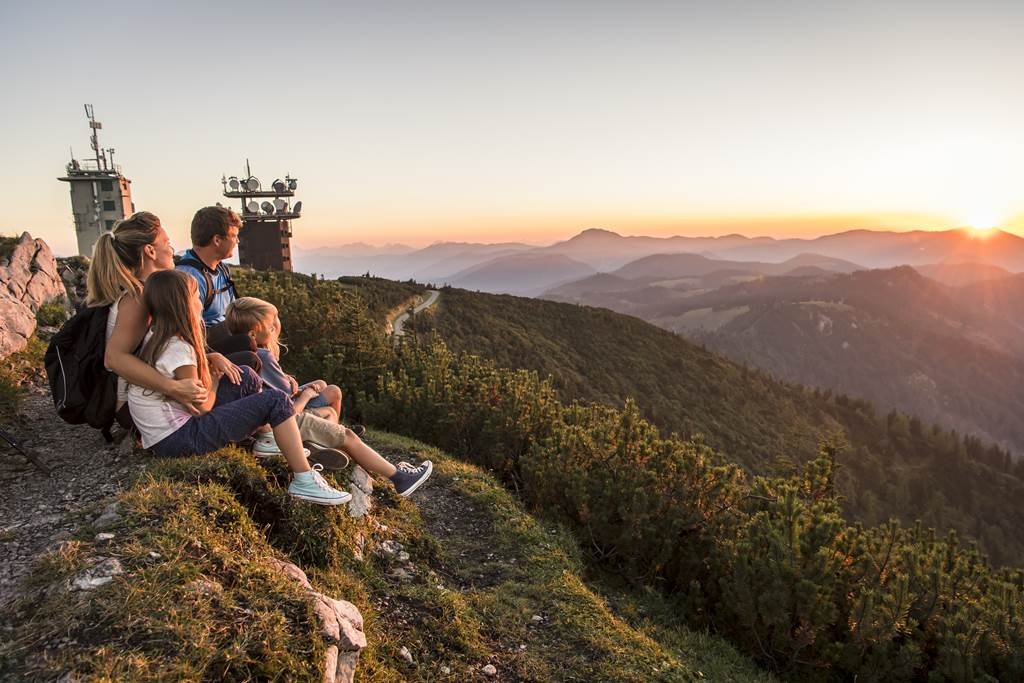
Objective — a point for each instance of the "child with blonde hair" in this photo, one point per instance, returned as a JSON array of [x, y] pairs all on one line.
[[317, 404], [259, 319]]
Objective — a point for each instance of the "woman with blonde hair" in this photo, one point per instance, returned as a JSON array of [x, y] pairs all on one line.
[[123, 259]]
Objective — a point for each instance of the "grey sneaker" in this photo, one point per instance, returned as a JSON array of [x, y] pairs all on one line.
[[314, 489], [409, 478], [327, 458]]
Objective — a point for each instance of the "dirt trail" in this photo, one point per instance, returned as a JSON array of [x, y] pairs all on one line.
[[38, 512]]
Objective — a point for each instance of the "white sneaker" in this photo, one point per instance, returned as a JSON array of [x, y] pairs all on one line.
[[266, 446], [315, 489]]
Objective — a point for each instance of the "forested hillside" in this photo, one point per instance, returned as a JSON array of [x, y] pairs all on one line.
[[953, 356], [895, 466], [768, 562]]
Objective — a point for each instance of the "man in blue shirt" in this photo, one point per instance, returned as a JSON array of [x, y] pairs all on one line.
[[214, 237]]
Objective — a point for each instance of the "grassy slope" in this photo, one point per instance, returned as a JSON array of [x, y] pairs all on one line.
[[197, 601]]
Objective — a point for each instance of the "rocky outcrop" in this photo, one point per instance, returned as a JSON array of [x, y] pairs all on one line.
[[341, 625], [28, 278], [73, 271]]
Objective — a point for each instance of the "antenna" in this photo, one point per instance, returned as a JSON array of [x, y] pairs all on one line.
[[94, 139]]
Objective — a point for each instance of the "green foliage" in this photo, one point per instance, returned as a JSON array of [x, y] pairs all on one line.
[[895, 466], [770, 563], [16, 371], [327, 328], [381, 296], [52, 313]]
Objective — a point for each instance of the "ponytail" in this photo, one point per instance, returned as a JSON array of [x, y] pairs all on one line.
[[117, 257]]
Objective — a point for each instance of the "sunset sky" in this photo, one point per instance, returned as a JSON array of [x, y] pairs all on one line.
[[419, 122]]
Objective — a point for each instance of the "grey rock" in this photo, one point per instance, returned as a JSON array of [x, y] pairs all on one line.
[[489, 670], [361, 488], [98, 575], [406, 655], [110, 517], [389, 549]]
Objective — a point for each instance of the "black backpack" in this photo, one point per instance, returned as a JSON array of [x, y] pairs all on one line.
[[208, 275], [83, 390]]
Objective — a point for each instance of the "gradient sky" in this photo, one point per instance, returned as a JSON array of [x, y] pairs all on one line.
[[417, 122]]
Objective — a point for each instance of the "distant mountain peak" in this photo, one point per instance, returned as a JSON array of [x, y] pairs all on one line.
[[596, 232]]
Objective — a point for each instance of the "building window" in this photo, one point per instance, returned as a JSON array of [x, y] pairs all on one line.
[[108, 205], [107, 185], [109, 225]]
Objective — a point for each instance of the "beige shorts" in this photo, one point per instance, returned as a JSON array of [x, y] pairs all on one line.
[[324, 432]]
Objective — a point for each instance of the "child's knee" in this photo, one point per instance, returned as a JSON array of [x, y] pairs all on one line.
[[332, 393]]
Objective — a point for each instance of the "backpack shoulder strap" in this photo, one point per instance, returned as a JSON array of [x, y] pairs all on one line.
[[201, 267]]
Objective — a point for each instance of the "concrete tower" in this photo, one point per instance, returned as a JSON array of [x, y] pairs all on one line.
[[264, 242], [100, 195]]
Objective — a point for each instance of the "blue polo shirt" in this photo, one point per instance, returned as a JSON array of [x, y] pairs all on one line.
[[218, 308]]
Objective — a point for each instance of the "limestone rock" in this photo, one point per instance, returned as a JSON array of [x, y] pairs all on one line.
[[361, 488], [31, 274], [17, 323], [490, 670], [340, 623], [27, 281], [110, 517], [98, 575], [289, 569]]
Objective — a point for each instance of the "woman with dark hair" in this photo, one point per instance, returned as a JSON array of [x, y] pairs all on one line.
[[122, 260]]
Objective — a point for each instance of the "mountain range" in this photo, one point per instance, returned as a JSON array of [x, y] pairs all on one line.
[[519, 268]]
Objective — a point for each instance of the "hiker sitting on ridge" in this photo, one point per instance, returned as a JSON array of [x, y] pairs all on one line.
[[214, 237], [260, 320], [123, 259]]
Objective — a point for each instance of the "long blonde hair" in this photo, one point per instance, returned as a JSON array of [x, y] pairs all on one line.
[[169, 296], [117, 257], [249, 315]]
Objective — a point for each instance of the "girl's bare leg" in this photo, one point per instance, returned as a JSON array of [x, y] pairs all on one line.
[[289, 441], [332, 394], [366, 457]]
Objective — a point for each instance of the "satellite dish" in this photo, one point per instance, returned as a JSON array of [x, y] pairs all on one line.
[[252, 207], [279, 186], [280, 204], [292, 184], [233, 183], [297, 208], [267, 207], [252, 184]]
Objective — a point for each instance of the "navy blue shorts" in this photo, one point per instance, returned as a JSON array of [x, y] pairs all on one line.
[[240, 409]]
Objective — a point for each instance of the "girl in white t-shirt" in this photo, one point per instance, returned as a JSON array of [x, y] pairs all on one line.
[[175, 347]]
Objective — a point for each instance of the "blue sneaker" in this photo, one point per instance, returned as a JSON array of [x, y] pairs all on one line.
[[409, 478], [312, 488]]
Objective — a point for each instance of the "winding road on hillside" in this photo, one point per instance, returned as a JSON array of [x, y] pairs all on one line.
[[399, 324]]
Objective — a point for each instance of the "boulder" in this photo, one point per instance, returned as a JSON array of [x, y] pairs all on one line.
[[28, 279], [31, 275], [17, 323], [341, 625], [361, 488]]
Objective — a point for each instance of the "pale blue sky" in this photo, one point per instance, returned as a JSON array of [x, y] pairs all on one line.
[[416, 122]]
